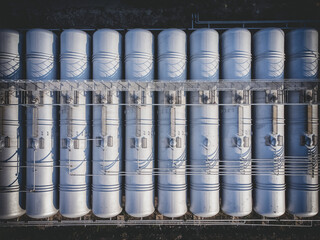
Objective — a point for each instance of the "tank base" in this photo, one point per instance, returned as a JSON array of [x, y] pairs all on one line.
[[204, 203], [269, 203], [172, 203], [236, 203], [139, 203], [74, 204], [302, 203], [10, 206], [41, 204], [106, 204]]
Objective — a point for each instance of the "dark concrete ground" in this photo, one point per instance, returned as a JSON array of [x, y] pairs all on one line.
[[146, 13], [150, 14], [157, 232]]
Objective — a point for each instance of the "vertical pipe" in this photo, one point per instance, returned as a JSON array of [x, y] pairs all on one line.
[[236, 124], [172, 185], [75, 126], [11, 143], [139, 185], [268, 125], [302, 125], [41, 53], [107, 147], [204, 125]]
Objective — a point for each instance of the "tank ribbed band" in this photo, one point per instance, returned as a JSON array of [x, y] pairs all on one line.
[[7, 189], [237, 187], [139, 55], [106, 188], [271, 54], [209, 55], [303, 187], [4, 55], [205, 187], [41, 188], [307, 54], [271, 187], [139, 187], [39, 55], [236, 54], [74, 188], [172, 55], [105, 56], [176, 187], [77, 56]]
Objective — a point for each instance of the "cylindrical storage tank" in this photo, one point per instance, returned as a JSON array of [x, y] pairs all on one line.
[[204, 125], [235, 120], [41, 185], [11, 118], [75, 126], [302, 125], [107, 147], [268, 125], [139, 125], [172, 185]]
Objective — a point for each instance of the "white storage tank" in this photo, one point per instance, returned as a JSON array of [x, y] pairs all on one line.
[[11, 117], [268, 125], [107, 147], [172, 66], [75, 126], [41, 185], [302, 125], [204, 125], [139, 124], [235, 130]]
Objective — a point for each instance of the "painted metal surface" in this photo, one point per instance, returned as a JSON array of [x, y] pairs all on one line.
[[302, 125], [172, 145], [235, 139], [268, 125], [204, 125], [139, 62], [75, 149], [107, 126], [11, 124], [42, 126]]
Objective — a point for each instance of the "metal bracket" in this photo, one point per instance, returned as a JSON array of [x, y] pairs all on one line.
[[241, 97], [274, 96], [274, 140], [208, 97], [240, 141], [310, 96], [104, 142]]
